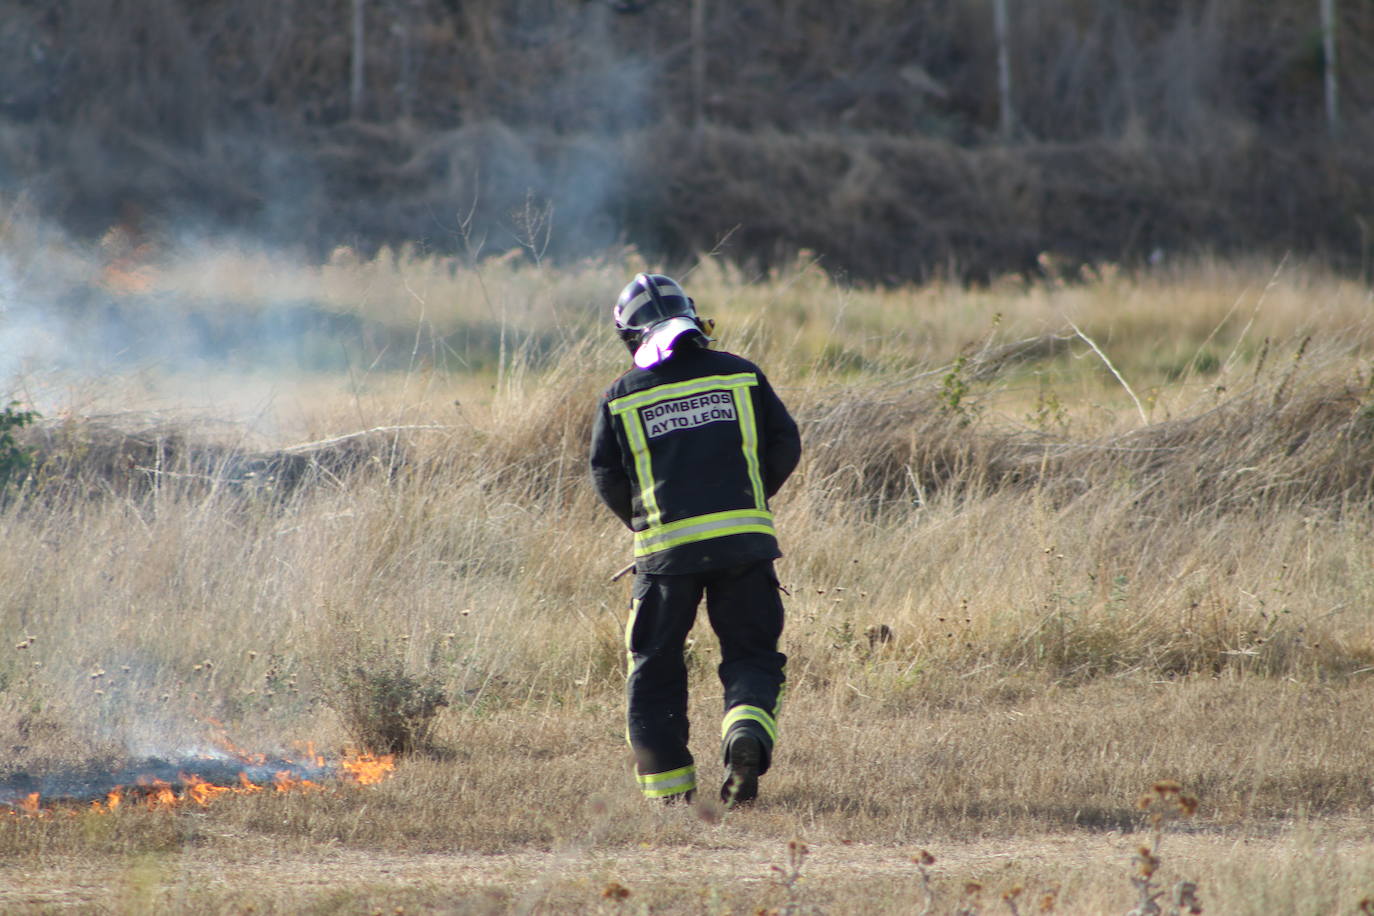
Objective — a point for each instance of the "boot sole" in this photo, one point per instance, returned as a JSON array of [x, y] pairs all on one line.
[[742, 780]]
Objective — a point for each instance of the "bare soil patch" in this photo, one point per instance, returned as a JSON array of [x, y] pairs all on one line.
[[729, 864]]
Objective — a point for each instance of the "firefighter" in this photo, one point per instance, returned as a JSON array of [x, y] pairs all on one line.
[[688, 447]]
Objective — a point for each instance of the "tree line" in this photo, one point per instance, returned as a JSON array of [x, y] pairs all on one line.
[[674, 124]]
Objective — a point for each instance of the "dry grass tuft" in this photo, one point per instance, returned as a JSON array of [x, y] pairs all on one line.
[[137, 456], [1285, 439]]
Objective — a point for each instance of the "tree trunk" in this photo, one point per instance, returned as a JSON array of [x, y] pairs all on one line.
[[355, 85], [1333, 115], [1003, 35], [698, 63]]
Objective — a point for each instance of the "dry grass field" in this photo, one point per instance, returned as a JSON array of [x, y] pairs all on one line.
[[1050, 546]]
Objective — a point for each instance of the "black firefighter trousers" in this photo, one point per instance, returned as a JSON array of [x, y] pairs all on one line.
[[745, 611]]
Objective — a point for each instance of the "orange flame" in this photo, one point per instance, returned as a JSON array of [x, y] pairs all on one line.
[[311, 755], [127, 253], [221, 738], [283, 781], [127, 277], [369, 769], [202, 792], [156, 794], [161, 795]]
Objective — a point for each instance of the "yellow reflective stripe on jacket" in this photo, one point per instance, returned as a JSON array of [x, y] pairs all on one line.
[[701, 528], [658, 536], [644, 470], [673, 782], [751, 714], [744, 409], [700, 385]]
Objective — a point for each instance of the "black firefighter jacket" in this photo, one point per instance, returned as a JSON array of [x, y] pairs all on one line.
[[688, 453]]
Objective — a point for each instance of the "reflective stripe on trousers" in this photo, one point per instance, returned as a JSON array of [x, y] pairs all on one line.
[[673, 782], [750, 714]]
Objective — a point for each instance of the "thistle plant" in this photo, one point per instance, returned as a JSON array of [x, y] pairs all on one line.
[[923, 860], [1164, 803], [972, 903], [615, 898]]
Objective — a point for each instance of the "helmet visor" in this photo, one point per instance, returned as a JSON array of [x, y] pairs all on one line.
[[659, 342]]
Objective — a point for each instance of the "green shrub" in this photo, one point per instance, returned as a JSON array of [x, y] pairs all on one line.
[[15, 459]]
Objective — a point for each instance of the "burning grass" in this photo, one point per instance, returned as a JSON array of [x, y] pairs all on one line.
[[160, 784]]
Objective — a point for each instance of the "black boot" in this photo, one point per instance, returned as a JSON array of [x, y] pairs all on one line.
[[742, 774]]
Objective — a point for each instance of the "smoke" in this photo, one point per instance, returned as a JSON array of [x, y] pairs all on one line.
[[293, 169], [92, 321], [40, 331], [63, 329], [84, 309], [25, 339]]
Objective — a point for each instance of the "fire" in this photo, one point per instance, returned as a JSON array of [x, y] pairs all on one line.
[[167, 786], [160, 794], [311, 756], [126, 277], [283, 781], [112, 801], [368, 769], [202, 792], [222, 739], [128, 252]]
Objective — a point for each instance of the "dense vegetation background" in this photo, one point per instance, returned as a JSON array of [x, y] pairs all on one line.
[[871, 132]]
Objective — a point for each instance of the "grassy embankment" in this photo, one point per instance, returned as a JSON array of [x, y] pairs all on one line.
[[1118, 532]]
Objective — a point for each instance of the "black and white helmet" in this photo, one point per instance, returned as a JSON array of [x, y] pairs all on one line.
[[651, 314]]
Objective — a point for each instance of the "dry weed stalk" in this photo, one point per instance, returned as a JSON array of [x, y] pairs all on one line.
[[789, 879], [615, 898], [973, 900], [923, 860], [1165, 802]]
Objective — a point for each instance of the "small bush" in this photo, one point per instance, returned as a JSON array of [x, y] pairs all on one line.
[[384, 708], [15, 459]]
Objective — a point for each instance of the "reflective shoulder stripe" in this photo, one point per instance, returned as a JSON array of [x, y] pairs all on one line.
[[682, 389], [701, 528], [673, 782]]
